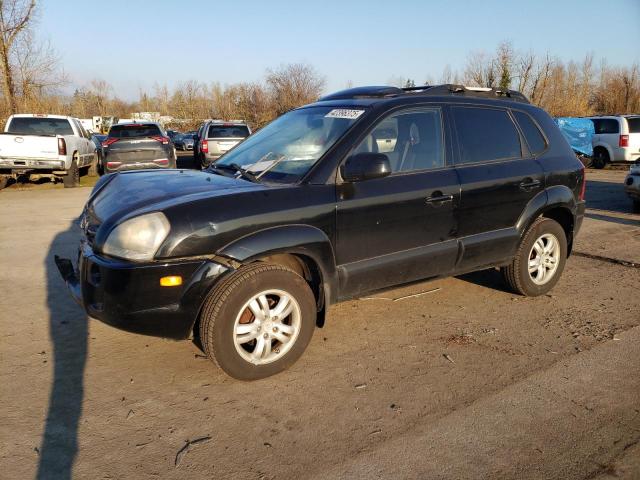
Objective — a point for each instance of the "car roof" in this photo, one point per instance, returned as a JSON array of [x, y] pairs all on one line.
[[385, 96], [40, 115]]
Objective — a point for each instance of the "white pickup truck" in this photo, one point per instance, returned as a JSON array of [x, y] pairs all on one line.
[[39, 146]]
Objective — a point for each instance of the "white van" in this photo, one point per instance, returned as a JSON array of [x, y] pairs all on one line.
[[616, 139]]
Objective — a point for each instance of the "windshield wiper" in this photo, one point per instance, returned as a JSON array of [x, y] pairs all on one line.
[[235, 168]]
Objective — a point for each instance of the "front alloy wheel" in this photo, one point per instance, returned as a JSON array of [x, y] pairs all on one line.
[[267, 326], [258, 320]]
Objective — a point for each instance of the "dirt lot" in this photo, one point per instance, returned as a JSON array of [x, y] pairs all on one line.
[[464, 381]]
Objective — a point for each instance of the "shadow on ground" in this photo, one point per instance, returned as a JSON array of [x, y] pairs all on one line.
[[68, 331]]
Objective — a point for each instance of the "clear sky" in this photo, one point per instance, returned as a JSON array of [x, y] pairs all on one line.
[[134, 43]]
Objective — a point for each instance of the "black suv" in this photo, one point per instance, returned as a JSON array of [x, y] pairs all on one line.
[[363, 190]]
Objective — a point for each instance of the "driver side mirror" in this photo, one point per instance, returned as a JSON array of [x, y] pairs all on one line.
[[365, 166]]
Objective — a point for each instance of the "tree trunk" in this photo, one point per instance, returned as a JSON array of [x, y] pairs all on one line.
[[7, 84]]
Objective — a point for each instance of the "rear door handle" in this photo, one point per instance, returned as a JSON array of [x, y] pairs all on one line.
[[438, 197], [529, 183]]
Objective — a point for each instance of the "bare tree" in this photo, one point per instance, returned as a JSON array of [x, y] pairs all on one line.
[[14, 19], [294, 85]]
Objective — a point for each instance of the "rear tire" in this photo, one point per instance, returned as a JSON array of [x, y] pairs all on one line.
[[540, 259], [600, 158], [235, 310], [72, 178]]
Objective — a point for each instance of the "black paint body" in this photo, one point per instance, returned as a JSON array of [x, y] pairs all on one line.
[[357, 237]]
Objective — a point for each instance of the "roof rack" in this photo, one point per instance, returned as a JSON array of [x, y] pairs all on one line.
[[430, 90], [363, 92], [478, 92]]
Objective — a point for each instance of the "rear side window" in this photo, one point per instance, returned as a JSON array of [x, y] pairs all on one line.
[[606, 125], [133, 131], [225, 131], [40, 126], [634, 124], [485, 134], [532, 133]]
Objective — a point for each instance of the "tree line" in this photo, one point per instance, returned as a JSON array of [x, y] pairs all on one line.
[[34, 80]]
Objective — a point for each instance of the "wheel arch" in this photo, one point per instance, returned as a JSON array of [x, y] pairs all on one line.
[[305, 249], [557, 203]]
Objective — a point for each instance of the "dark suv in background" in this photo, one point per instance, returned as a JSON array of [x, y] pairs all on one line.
[[134, 146], [366, 189]]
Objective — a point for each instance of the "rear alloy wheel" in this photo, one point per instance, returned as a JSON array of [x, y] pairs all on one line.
[[540, 259], [72, 178], [600, 158], [258, 321]]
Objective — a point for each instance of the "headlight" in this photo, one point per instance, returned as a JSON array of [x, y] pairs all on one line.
[[137, 238]]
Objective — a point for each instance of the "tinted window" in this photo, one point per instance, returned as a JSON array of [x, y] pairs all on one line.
[[412, 140], [532, 133], [485, 134], [40, 126], [233, 131], [132, 131], [634, 124], [606, 125]]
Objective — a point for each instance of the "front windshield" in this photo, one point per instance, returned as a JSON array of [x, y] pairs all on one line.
[[288, 147]]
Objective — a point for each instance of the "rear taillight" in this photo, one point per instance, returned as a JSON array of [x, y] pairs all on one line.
[[109, 141], [62, 147], [583, 188], [204, 146], [113, 164], [161, 139], [623, 141], [162, 161]]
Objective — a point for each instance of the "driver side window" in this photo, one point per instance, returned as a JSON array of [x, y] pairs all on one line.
[[411, 139]]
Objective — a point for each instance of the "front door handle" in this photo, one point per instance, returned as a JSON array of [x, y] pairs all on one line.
[[529, 183], [438, 197]]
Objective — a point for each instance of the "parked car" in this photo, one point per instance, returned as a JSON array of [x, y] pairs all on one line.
[[616, 139], [249, 254], [133, 146], [172, 134], [184, 141], [196, 146], [97, 139], [37, 146], [217, 137], [632, 186]]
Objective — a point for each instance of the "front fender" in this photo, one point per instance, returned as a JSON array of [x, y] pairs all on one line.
[[302, 240]]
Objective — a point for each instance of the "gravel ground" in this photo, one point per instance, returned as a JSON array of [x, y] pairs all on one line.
[[466, 380]]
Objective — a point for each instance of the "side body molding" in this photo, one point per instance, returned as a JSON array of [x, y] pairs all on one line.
[[301, 240]]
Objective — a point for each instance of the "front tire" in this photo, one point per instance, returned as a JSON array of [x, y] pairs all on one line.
[[258, 321], [540, 259]]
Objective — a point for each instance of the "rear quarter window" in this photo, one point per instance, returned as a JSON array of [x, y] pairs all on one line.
[[533, 135], [485, 134], [634, 124]]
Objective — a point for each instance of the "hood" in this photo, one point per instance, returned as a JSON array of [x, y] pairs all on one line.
[[123, 193]]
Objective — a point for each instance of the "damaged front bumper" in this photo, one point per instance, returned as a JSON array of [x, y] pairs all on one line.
[[129, 296]]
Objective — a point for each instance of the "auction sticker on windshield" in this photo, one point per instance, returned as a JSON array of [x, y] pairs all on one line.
[[344, 113]]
